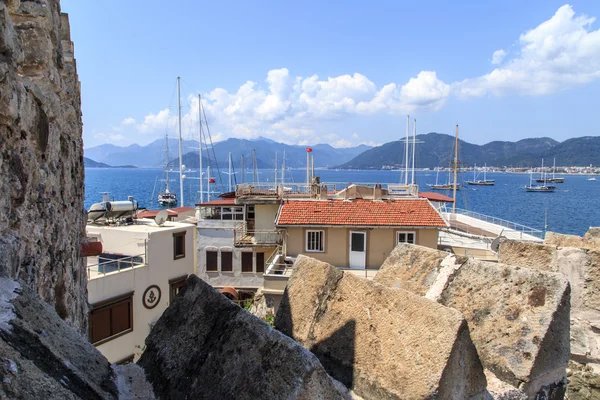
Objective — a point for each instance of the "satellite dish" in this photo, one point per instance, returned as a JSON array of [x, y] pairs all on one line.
[[496, 243], [161, 217]]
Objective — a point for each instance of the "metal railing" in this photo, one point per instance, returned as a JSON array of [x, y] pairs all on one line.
[[277, 266], [242, 236], [288, 190], [523, 229], [109, 263]]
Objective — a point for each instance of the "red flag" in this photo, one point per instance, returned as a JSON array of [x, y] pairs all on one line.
[[211, 180], [309, 149]]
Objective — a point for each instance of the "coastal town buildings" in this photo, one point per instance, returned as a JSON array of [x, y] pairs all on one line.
[[132, 281]]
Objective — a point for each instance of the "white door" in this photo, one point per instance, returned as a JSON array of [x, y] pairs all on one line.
[[358, 250]]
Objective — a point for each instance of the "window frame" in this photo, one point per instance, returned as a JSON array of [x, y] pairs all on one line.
[[174, 284], [109, 304], [206, 251], [242, 262], [256, 269], [306, 241], [398, 233], [230, 252], [176, 237]]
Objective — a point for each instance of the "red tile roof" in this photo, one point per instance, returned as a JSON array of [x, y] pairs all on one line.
[[432, 196], [222, 202], [172, 212], [402, 212]]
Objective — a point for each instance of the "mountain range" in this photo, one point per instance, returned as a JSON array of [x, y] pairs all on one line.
[[154, 154], [88, 163], [437, 149]]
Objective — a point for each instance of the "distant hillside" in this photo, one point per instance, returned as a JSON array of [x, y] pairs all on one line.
[[89, 163], [437, 150], [153, 155]]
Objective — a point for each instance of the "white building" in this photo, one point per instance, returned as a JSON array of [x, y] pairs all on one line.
[[131, 283]]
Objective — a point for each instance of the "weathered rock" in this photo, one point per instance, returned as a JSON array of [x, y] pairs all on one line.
[[592, 233], [584, 384], [518, 318], [419, 269], [41, 157], [206, 346], [582, 268], [41, 357], [382, 342], [590, 241]]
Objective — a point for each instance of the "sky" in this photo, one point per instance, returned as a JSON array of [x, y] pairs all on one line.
[[338, 72]]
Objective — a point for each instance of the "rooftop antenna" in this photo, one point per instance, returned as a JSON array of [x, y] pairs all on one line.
[[455, 167]]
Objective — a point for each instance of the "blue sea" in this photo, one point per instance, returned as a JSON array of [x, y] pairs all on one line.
[[572, 208]]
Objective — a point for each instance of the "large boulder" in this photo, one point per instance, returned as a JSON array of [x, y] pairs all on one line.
[[206, 346], [518, 317], [41, 357], [382, 342]]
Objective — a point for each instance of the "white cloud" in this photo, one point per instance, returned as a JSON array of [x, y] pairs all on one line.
[[498, 56], [128, 121], [560, 53]]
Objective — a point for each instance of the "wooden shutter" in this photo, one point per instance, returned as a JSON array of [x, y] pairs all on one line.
[[260, 262], [226, 261], [247, 262]]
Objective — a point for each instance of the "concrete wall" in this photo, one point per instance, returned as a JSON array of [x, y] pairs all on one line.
[[221, 239], [264, 215], [159, 269], [380, 243]]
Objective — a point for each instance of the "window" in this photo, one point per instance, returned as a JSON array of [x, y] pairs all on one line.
[[226, 261], [111, 318], [178, 245], [229, 213], [405, 237], [247, 262], [260, 262], [314, 240], [211, 260], [250, 212], [175, 285]]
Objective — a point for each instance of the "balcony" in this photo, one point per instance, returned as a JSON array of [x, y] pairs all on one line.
[[243, 237], [109, 263]]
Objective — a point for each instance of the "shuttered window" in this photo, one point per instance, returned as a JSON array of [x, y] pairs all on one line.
[[247, 262], [111, 318], [211, 260], [175, 285], [226, 261], [178, 245], [260, 262]]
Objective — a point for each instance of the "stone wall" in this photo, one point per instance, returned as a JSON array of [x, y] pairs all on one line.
[[41, 157]]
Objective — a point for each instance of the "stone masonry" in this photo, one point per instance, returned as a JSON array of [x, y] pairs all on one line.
[[41, 157]]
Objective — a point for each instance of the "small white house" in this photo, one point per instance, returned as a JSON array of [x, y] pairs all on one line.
[[141, 268]]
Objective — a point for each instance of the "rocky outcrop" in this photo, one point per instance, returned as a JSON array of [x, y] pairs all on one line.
[[382, 342], [41, 157], [41, 357], [590, 241], [518, 317], [206, 345]]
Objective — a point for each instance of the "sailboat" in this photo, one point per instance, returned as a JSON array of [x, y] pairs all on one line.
[[440, 186], [539, 188], [485, 181], [449, 185], [167, 198], [554, 179]]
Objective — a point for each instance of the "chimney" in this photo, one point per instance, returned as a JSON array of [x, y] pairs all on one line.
[[323, 192]]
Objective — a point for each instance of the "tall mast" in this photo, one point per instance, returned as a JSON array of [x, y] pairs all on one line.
[[200, 150], [406, 148], [553, 169], [283, 169], [167, 163], [254, 169], [230, 173], [313, 166], [455, 172], [276, 169], [542, 175], [180, 143], [208, 183], [243, 168], [307, 167], [413, 151]]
